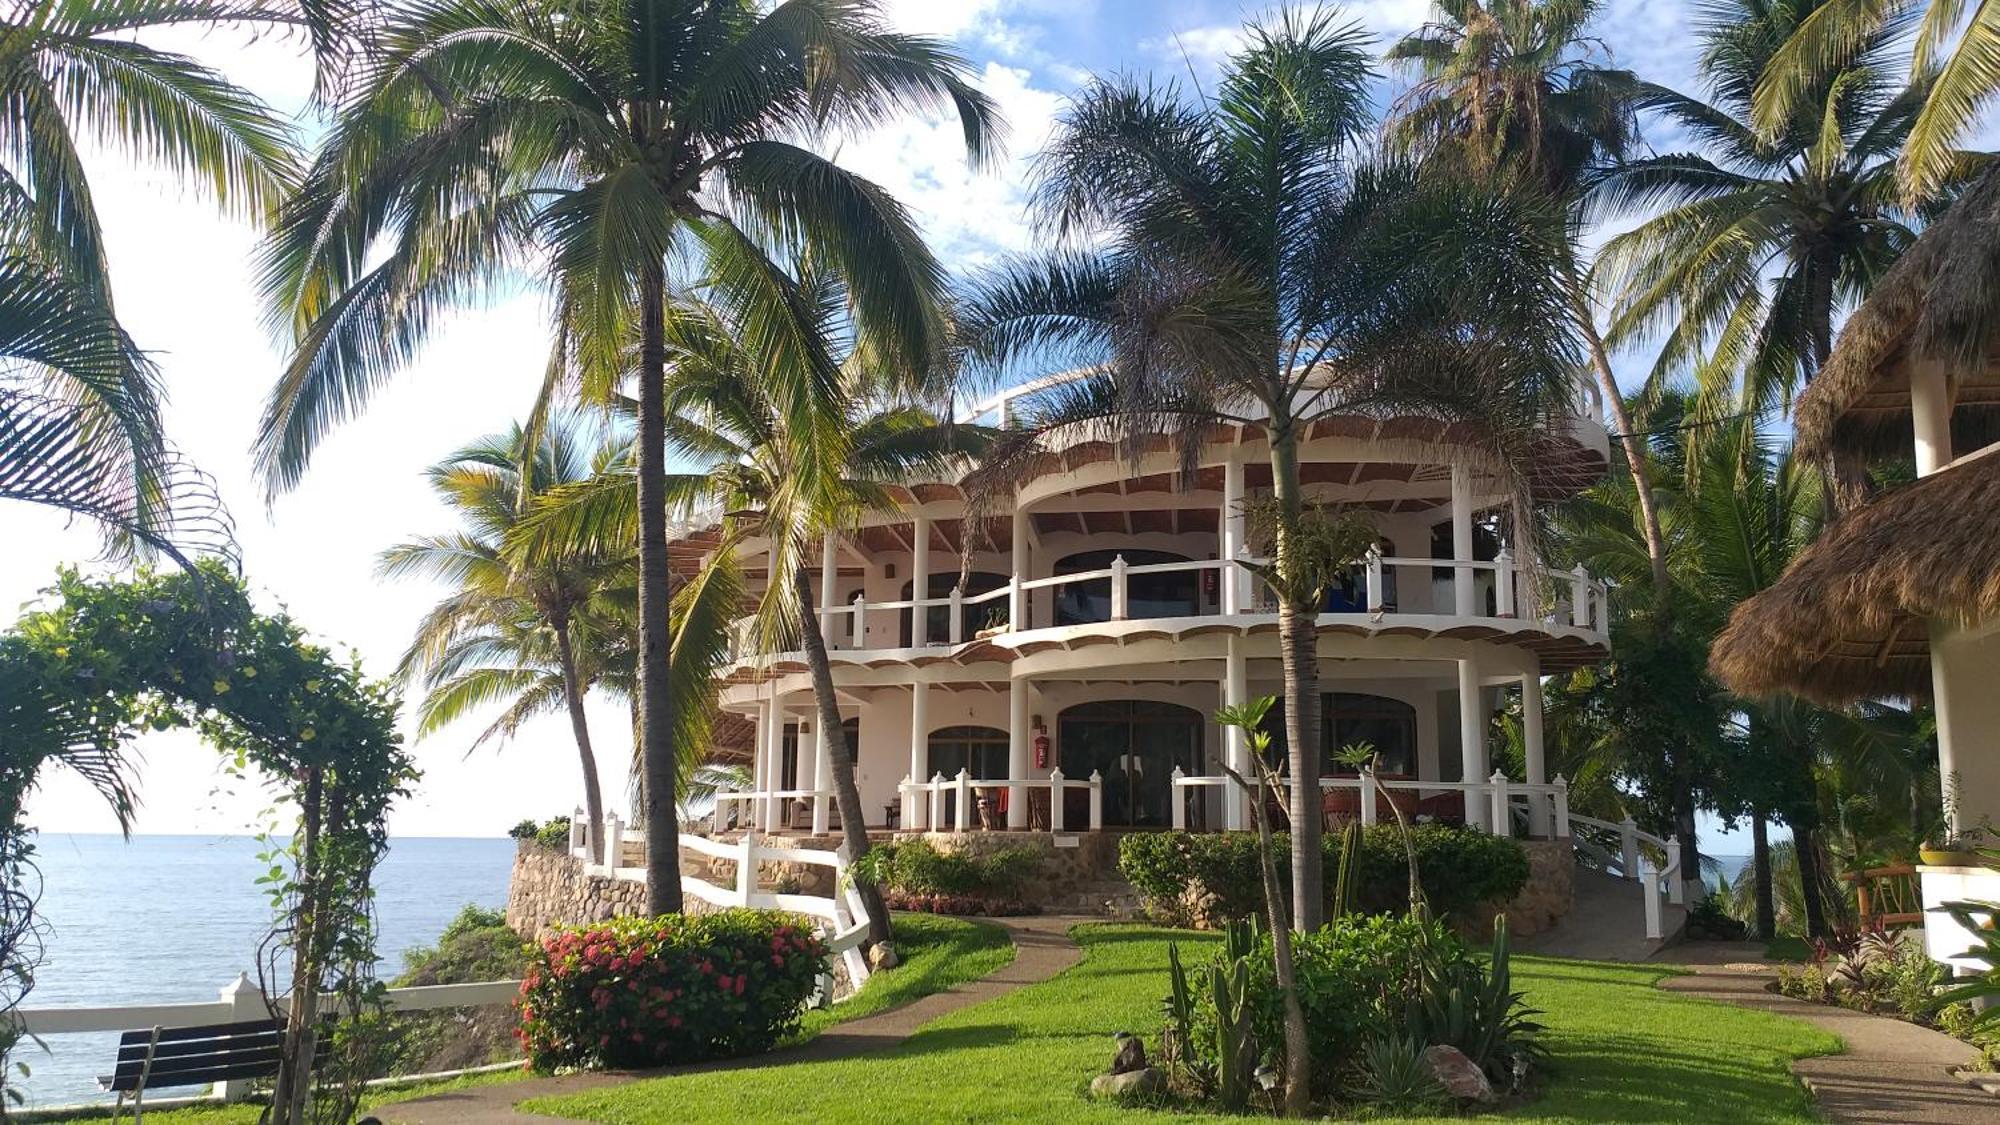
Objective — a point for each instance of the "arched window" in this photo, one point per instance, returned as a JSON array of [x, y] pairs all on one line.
[[972, 618], [980, 751], [1175, 593], [1346, 718], [1135, 745]]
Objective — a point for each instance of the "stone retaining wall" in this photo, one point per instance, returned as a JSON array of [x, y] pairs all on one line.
[[549, 889], [1543, 902]]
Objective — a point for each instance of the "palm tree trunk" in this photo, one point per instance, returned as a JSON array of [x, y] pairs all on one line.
[[593, 794], [1760, 864], [846, 793], [1635, 460], [1298, 644], [1807, 852], [656, 721]]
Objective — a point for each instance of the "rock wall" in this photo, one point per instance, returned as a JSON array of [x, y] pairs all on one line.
[[549, 889], [1543, 902]]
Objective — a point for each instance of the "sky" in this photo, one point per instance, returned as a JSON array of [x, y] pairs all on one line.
[[185, 289]]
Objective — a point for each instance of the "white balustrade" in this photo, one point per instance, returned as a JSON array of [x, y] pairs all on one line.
[[1501, 824]]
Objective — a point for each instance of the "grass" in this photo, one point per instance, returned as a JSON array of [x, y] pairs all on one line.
[[1622, 1050], [937, 954]]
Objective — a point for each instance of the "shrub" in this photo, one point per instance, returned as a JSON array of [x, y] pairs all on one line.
[[1206, 878], [475, 946], [918, 870], [554, 835], [525, 830], [642, 992]]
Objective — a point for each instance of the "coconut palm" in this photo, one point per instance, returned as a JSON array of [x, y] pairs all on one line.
[[785, 484], [532, 639], [1228, 261], [593, 146], [1758, 242], [1519, 88]]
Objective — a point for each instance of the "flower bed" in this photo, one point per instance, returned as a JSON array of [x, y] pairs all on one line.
[[645, 992], [1887, 974]]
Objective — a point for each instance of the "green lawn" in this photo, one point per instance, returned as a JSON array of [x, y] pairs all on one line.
[[937, 954], [1623, 1051]]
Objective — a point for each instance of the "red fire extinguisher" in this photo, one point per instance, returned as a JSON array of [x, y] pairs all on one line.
[[1041, 749]]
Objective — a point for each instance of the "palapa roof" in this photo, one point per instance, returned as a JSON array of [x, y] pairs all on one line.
[[1939, 302], [1850, 618]]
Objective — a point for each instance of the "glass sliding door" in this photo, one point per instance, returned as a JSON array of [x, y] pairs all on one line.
[[1135, 745]]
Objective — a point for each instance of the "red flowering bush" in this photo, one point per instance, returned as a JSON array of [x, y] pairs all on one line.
[[644, 992]]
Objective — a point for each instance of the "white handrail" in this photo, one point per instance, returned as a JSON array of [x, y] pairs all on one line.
[[965, 785]]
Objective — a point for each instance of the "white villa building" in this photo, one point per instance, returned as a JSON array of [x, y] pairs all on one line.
[[1068, 682]]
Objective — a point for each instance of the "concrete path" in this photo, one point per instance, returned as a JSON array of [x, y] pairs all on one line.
[[1042, 948], [1606, 922], [1892, 1073]]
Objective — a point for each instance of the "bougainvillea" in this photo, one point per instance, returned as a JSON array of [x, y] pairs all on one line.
[[643, 992]]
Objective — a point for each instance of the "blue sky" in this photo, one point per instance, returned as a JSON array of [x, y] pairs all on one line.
[[184, 288]]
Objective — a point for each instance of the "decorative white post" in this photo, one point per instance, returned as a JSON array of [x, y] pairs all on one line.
[[579, 834], [1502, 823], [1562, 807], [1120, 605], [1055, 800], [964, 810], [246, 1003], [1368, 814], [937, 802], [1651, 880], [1579, 597], [1096, 801], [1177, 794], [1503, 582], [1375, 588], [1628, 843], [955, 629], [1677, 888], [716, 817], [860, 620], [614, 842]]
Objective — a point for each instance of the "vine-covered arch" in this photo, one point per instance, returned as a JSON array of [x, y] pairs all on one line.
[[106, 661]]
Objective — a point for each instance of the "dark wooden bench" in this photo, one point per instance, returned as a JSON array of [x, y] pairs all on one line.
[[166, 1057]]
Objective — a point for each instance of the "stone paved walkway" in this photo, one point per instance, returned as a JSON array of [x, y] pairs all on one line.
[[1042, 948], [1892, 1073]]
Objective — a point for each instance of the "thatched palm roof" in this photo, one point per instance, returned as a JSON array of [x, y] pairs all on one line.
[[1850, 618], [1940, 302]]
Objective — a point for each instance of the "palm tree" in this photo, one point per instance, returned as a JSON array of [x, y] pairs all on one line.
[[787, 481], [593, 145], [533, 637], [1954, 53], [1518, 88], [1757, 243], [79, 414], [1227, 261]]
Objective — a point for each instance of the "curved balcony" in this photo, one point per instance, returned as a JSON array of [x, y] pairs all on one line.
[[1564, 616]]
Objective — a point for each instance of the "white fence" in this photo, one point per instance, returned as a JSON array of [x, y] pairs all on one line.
[[1634, 860], [842, 920], [1496, 804], [929, 811]]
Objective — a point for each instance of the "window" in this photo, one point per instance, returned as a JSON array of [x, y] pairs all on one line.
[[1135, 745], [1172, 594], [980, 751], [972, 618], [1346, 718]]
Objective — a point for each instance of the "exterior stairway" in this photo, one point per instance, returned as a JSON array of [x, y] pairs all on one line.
[[1606, 922]]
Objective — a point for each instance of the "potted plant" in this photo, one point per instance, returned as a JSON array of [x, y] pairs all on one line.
[[1954, 847]]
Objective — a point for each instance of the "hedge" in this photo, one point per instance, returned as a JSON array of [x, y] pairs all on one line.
[[1459, 868], [645, 992]]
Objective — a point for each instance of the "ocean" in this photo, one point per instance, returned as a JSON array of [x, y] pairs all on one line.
[[170, 919]]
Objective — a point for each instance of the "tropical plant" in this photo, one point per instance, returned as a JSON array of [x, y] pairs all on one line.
[[789, 475], [1520, 89], [1958, 56], [596, 145], [1227, 261], [533, 638], [1757, 242]]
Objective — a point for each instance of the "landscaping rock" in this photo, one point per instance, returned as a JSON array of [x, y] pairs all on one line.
[[1131, 1054], [1146, 1083], [882, 956], [1457, 1074]]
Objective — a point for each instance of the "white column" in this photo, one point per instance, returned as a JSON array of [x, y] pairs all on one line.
[[822, 775], [828, 570], [1235, 580], [1020, 752], [920, 731], [1471, 738], [1017, 604], [1930, 414], [774, 761], [1235, 690], [1968, 721], [1461, 539], [1531, 739], [920, 586]]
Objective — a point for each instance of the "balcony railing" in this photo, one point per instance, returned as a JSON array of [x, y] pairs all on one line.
[[1574, 598]]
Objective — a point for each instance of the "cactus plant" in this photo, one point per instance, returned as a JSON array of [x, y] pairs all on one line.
[[1179, 1008], [1347, 876], [1235, 1044]]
